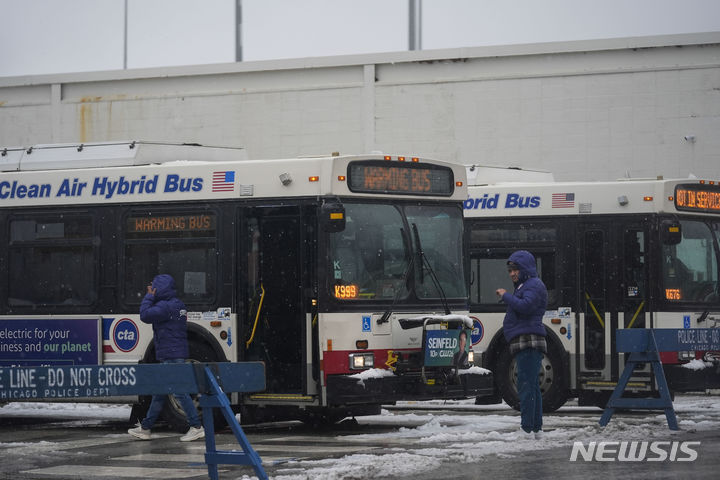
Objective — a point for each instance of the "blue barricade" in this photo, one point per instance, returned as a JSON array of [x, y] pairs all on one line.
[[211, 380], [644, 346]]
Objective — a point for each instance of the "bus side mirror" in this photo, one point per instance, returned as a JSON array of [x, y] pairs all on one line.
[[670, 232], [332, 217]]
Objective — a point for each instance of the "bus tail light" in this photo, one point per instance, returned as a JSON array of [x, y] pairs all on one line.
[[361, 361]]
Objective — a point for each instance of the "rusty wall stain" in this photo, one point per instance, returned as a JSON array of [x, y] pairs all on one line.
[[85, 119]]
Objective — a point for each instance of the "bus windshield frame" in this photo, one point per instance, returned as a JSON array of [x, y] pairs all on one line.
[[690, 267], [377, 258]]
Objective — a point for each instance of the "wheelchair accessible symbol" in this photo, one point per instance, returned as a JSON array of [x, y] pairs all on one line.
[[367, 326]]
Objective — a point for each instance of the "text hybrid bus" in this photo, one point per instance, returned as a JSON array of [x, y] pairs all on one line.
[[343, 274], [613, 255]]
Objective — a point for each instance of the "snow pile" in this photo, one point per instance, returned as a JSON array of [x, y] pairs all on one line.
[[466, 439], [371, 373], [451, 317], [474, 369], [66, 410], [697, 365]]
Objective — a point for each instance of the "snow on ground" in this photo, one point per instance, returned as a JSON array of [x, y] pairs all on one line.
[[458, 432], [466, 438], [66, 410]]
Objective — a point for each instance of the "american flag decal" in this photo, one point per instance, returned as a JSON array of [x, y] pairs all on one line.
[[563, 200], [223, 181]]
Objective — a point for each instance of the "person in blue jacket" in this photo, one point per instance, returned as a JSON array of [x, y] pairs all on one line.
[[168, 316], [525, 334]]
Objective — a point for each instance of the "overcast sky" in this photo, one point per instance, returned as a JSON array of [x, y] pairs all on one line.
[[59, 36]]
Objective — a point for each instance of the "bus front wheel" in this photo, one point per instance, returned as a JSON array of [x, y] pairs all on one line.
[[552, 379]]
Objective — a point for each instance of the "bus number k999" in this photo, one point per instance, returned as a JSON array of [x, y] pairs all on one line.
[[345, 292]]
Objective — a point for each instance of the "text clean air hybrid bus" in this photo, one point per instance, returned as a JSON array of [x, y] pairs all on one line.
[[613, 255], [336, 271]]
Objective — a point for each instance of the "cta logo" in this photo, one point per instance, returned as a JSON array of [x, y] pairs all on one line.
[[478, 331], [125, 335]]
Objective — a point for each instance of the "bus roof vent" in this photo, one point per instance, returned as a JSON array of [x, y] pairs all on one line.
[[112, 154]]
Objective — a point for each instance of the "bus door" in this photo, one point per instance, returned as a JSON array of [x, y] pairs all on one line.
[[273, 329], [597, 318], [634, 291], [614, 294]]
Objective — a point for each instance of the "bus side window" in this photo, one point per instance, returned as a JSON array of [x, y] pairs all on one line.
[[491, 274], [182, 244], [55, 257], [546, 272]]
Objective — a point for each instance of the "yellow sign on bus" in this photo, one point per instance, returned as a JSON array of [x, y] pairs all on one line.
[[346, 292]]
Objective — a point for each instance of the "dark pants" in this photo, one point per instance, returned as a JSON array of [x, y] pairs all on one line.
[[528, 367], [158, 401]]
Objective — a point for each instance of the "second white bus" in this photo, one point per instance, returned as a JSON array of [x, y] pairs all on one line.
[[613, 255]]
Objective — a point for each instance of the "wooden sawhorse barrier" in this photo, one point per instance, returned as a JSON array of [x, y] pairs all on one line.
[[644, 346], [211, 380]]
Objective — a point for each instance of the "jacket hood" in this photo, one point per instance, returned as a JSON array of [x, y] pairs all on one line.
[[165, 285], [526, 264]]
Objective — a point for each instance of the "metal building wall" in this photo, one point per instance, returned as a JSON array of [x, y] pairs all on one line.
[[583, 110]]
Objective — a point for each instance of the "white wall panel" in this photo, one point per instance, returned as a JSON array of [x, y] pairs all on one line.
[[583, 110]]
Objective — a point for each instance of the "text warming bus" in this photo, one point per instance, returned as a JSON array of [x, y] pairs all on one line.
[[618, 254], [343, 274]]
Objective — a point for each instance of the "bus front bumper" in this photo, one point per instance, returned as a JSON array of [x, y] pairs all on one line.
[[682, 379], [344, 389]]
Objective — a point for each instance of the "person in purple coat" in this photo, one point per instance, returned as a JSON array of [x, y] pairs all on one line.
[[168, 316], [525, 334]]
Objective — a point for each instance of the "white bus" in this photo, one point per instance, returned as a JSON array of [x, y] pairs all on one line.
[[334, 271], [613, 255]]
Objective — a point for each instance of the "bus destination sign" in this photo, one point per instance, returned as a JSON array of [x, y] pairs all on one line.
[[378, 176], [174, 223], [698, 198]]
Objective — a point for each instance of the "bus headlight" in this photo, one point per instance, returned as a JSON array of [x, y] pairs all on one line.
[[361, 361], [686, 356], [471, 358]]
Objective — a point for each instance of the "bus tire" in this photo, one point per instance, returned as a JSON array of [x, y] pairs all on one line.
[[173, 413], [552, 379]]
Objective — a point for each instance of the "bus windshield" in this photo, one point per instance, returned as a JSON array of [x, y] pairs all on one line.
[[376, 256], [690, 268]]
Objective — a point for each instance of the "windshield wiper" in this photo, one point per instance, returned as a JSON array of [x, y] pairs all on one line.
[[425, 262], [405, 278]]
